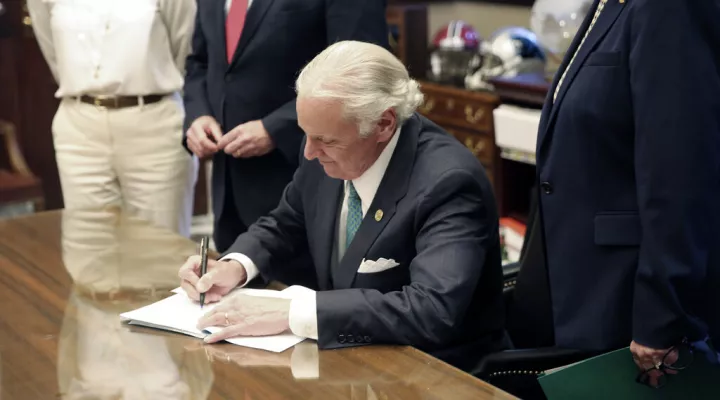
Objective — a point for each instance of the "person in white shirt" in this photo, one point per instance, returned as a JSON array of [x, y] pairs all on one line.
[[398, 217], [119, 66]]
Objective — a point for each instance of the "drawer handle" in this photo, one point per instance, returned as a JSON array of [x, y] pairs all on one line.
[[26, 14], [471, 117], [450, 104], [428, 105], [475, 148]]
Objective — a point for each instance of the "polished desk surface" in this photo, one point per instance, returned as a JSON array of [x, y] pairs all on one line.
[[65, 277]]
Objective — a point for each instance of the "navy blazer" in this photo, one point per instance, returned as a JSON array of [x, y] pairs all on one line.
[[628, 161], [278, 39], [439, 222]]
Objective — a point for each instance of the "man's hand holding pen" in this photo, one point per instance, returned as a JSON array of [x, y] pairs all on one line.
[[240, 315], [221, 278]]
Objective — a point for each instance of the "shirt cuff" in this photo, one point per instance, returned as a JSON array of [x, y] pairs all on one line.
[[303, 313], [250, 268]]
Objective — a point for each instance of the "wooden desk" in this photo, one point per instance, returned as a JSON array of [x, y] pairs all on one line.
[[65, 277]]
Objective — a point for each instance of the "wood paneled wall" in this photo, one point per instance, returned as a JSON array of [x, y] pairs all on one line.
[[26, 96]]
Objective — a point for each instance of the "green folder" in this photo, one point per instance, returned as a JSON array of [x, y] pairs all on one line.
[[612, 376]]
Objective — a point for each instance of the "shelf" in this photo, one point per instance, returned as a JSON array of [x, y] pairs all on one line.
[[525, 90], [517, 155]]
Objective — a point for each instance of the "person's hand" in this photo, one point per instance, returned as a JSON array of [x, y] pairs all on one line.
[[220, 279], [247, 140], [650, 361], [244, 315], [199, 136]]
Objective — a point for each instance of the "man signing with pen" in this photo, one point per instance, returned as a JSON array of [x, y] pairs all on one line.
[[398, 218]]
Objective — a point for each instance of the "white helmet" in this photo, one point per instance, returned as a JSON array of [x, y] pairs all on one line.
[[509, 52]]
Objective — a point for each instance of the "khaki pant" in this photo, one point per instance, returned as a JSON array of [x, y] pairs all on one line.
[[130, 157]]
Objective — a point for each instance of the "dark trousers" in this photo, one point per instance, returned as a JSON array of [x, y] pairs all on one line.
[[228, 226]]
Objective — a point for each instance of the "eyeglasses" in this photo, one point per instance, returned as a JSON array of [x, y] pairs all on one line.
[[677, 358]]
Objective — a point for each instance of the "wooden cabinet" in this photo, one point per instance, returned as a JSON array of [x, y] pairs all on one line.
[[27, 97], [519, 176], [408, 25], [468, 116], [481, 146]]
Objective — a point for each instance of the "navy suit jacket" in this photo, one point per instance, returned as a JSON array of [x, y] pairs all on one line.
[[439, 223], [279, 38], [629, 172]]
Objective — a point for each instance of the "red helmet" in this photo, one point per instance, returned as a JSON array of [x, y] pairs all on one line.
[[455, 52], [457, 35]]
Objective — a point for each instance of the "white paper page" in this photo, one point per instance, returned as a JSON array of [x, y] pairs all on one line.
[[180, 314], [283, 294], [177, 313]]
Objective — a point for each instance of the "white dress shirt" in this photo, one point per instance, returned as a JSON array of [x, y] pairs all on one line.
[[229, 2], [110, 47], [303, 310]]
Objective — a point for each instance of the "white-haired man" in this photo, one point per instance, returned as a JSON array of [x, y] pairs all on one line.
[[399, 219]]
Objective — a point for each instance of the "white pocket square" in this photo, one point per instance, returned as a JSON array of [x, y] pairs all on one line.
[[371, 267]]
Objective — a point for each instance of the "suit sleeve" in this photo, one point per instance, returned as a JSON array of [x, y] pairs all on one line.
[[674, 64], [345, 20], [278, 237], [196, 66], [282, 126], [455, 231], [363, 21]]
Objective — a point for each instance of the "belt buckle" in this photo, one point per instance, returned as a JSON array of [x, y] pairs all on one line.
[[98, 100]]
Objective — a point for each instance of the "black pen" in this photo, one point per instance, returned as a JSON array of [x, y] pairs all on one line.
[[203, 263]]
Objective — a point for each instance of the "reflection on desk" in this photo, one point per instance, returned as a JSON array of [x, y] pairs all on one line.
[[67, 275], [98, 358]]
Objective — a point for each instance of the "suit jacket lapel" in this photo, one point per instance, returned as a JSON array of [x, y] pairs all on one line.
[[220, 16], [606, 19], [393, 187], [328, 202], [255, 15]]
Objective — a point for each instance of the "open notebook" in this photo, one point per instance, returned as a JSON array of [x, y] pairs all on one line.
[[178, 313]]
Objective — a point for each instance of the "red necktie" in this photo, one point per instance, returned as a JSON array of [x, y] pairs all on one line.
[[234, 25]]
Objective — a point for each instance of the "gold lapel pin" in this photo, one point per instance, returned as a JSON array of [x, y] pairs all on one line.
[[621, 1], [378, 215]]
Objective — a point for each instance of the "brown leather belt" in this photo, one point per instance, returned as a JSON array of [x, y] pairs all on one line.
[[121, 101]]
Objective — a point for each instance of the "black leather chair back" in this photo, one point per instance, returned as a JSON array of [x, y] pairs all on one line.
[[529, 322], [529, 309]]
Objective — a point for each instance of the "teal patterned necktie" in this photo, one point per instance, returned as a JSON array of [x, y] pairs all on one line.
[[354, 216]]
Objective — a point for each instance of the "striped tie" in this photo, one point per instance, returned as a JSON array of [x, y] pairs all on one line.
[[354, 216]]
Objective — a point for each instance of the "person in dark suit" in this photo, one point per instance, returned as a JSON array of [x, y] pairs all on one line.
[[239, 98], [628, 162], [399, 218]]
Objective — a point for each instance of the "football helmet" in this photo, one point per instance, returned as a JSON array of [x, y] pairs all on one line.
[[454, 53], [509, 52]]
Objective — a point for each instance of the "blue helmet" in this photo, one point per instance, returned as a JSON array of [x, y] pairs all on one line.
[[509, 52]]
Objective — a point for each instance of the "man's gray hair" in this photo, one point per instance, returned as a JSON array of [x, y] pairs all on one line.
[[366, 78]]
